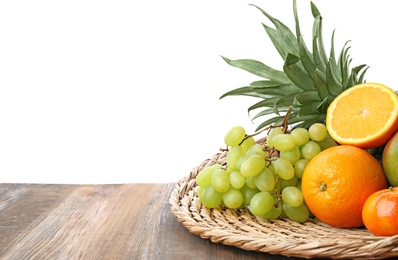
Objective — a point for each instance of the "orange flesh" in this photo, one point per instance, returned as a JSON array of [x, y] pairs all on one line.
[[362, 112], [364, 115]]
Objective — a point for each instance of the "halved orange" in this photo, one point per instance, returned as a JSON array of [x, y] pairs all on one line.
[[365, 115]]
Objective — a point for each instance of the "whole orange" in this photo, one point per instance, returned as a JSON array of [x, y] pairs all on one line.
[[337, 182], [380, 212]]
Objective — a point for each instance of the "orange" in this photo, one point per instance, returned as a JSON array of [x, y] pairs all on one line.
[[337, 182], [380, 212], [365, 115]]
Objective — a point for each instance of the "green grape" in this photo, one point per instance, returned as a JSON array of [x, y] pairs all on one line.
[[248, 194], [216, 166], [286, 183], [300, 136], [298, 214], [265, 180], [271, 167], [283, 168], [310, 149], [283, 215], [317, 132], [283, 142], [220, 180], [299, 167], [233, 155], [327, 142], [210, 198], [234, 136], [258, 149], [242, 159], [292, 155], [247, 143], [199, 191], [261, 203], [250, 182], [252, 166], [228, 170], [232, 198], [203, 179], [292, 196], [275, 211], [237, 180], [274, 132]]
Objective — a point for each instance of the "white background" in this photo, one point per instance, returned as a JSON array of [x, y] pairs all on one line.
[[128, 91]]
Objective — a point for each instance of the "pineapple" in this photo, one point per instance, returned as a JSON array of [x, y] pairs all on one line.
[[310, 79]]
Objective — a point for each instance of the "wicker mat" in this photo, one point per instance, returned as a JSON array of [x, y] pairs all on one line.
[[239, 228]]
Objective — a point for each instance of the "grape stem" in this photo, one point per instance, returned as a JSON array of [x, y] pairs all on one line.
[[276, 191], [285, 124]]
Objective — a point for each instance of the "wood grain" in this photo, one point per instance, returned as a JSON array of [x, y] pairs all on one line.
[[114, 221]]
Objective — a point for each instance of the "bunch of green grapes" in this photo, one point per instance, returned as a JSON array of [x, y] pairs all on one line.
[[263, 177]]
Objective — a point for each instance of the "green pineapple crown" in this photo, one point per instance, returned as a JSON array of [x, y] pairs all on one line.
[[310, 80]]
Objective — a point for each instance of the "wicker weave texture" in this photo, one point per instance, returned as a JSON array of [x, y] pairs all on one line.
[[239, 228]]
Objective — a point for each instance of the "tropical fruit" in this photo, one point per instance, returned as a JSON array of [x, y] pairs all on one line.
[[337, 182], [380, 212], [365, 115], [390, 160], [308, 81]]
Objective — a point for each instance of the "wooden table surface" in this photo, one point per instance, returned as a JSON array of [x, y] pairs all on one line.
[[112, 221]]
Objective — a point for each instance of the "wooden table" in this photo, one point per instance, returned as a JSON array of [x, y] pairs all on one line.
[[123, 221]]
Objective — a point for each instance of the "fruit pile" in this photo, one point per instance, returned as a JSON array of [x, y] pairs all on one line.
[[330, 149], [265, 177]]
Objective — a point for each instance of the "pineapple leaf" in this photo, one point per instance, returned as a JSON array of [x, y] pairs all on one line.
[[263, 85], [354, 79], [296, 72], [314, 10], [263, 89], [323, 106], [306, 58], [247, 91], [334, 86], [286, 100], [273, 120], [265, 112], [296, 19], [318, 34], [307, 121], [297, 118], [332, 61], [308, 97], [308, 82], [344, 64], [319, 61], [287, 41], [320, 84], [259, 69], [273, 35], [362, 75], [270, 111], [270, 102]]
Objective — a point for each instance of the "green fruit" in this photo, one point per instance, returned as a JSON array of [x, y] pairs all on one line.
[[390, 160]]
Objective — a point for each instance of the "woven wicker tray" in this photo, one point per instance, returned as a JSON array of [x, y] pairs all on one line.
[[239, 228]]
